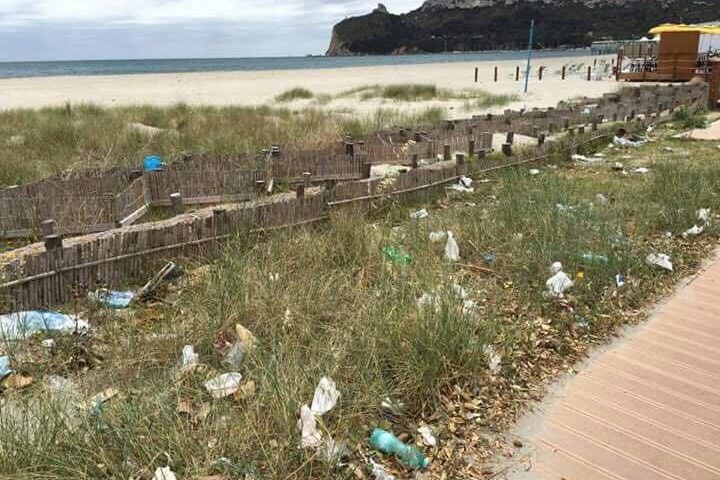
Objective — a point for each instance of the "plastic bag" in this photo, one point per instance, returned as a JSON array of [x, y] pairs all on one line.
[[693, 231], [427, 437], [704, 215], [14, 326], [236, 355], [452, 250], [660, 260], [436, 237], [164, 473], [5, 369], [325, 397], [420, 214], [223, 385], [559, 282], [465, 181], [379, 472], [113, 298], [534, 171], [310, 436], [189, 357]]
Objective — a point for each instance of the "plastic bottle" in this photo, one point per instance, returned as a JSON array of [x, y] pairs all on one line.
[[596, 259], [388, 443]]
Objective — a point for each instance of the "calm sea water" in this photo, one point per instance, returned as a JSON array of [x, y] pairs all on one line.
[[126, 67]]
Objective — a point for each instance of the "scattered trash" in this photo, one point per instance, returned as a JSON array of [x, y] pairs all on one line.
[[618, 167], [660, 260], [246, 391], [489, 258], [150, 287], [15, 381], [460, 188], [14, 326], [189, 357], [16, 141], [427, 437], [581, 321], [428, 300], [564, 208], [668, 235], [394, 255], [310, 437], [333, 452], [5, 369], [620, 280], [465, 181], [48, 343], [704, 215], [641, 170], [494, 359], [559, 282], [470, 307], [588, 160], [112, 298], [693, 231], [56, 383], [164, 473], [325, 397], [247, 337], [602, 199], [595, 259], [235, 356], [223, 385], [420, 214], [667, 149], [149, 131], [436, 237], [534, 171], [379, 472], [452, 250], [95, 403], [389, 444], [459, 291]]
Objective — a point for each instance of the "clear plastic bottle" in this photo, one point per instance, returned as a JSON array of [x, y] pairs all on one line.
[[388, 443]]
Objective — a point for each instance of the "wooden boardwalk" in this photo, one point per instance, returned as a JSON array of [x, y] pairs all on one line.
[[646, 408]]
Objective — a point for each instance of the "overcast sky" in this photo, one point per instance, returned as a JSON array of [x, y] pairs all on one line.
[[111, 29]]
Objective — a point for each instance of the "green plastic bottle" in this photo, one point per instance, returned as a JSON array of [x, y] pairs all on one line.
[[396, 256], [388, 443]]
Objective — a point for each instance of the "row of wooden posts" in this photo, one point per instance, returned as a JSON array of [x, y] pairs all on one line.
[[540, 72]]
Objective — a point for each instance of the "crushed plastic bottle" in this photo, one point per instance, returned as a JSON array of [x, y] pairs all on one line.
[[596, 259], [394, 255], [388, 443]]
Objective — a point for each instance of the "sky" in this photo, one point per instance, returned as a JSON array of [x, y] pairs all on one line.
[[119, 29]]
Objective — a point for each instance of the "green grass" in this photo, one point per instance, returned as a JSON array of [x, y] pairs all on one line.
[[339, 309], [687, 120], [297, 93]]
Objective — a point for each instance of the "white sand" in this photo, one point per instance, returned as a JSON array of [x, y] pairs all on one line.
[[254, 88]]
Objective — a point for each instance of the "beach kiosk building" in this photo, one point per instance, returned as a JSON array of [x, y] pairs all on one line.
[[677, 53]]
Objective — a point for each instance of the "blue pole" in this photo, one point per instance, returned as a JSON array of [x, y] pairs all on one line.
[[530, 42]]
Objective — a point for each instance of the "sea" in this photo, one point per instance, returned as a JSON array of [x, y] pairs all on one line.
[[180, 65]]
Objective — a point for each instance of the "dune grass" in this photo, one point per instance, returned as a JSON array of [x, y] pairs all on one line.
[[38, 143], [297, 93], [410, 92], [324, 301]]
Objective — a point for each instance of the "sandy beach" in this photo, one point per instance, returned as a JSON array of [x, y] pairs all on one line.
[[260, 87]]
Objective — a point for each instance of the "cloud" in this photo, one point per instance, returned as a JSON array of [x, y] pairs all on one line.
[[81, 29]]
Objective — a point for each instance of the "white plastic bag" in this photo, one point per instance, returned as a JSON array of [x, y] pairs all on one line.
[[641, 170], [704, 215], [465, 182], [310, 436], [559, 282], [223, 385], [452, 250], [534, 171], [18, 325], [494, 358], [427, 437], [325, 398], [436, 237], [189, 357], [420, 214], [235, 356], [164, 473], [660, 260], [379, 472], [693, 231]]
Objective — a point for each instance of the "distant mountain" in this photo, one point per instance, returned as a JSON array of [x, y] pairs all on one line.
[[472, 25]]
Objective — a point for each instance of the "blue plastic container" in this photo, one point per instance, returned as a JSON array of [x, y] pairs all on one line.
[[152, 163]]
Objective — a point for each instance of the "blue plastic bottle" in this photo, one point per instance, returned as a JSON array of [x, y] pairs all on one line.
[[389, 444], [152, 163]]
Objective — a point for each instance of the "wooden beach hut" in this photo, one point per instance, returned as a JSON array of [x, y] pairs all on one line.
[[682, 53]]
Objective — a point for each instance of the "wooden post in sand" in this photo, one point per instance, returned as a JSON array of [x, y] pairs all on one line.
[[589, 74], [496, 73], [563, 72], [517, 74], [476, 74], [540, 72]]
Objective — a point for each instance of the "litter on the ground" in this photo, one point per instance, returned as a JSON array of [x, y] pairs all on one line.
[[459, 291], [389, 444], [427, 436], [48, 343], [157, 280], [420, 214], [618, 167], [236, 354], [395, 255], [164, 473], [436, 237], [465, 181], [246, 337], [5, 369], [693, 231], [113, 298], [452, 250], [15, 381], [223, 385], [594, 258], [18, 325], [470, 307], [379, 472], [660, 260], [189, 358], [95, 403], [667, 149], [602, 199], [588, 160], [641, 170], [620, 280], [489, 258], [428, 300], [704, 215], [325, 397], [310, 436], [534, 171], [494, 359], [247, 390], [559, 282], [564, 208], [333, 452]]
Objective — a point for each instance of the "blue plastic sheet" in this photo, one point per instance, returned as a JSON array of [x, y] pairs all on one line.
[[18, 325], [113, 298], [5, 369]]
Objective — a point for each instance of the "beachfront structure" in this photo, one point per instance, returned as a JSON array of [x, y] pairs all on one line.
[[606, 47], [677, 53]]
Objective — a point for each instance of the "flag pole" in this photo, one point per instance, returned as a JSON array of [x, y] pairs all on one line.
[[530, 42]]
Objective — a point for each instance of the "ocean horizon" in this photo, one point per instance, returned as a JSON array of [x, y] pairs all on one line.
[[27, 69]]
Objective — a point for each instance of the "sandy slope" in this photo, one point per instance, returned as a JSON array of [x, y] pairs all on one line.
[[252, 88]]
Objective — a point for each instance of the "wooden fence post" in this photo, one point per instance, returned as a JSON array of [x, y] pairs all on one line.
[[446, 152], [259, 187], [566, 123], [47, 227], [414, 160], [507, 149], [460, 163], [471, 147], [306, 179], [581, 129], [350, 149], [541, 139], [53, 242], [176, 201], [510, 137], [300, 190]]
